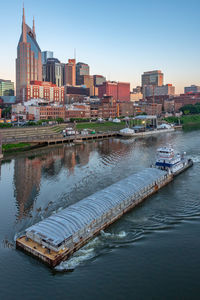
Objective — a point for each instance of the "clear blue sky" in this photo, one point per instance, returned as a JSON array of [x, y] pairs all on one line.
[[118, 39]]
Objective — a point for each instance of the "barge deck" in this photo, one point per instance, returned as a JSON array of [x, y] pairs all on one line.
[[59, 236]]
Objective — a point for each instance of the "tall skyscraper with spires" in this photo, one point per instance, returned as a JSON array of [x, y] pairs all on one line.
[[29, 59]]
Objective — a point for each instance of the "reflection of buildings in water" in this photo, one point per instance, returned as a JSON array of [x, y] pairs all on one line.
[[83, 153], [76, 155], [53, 162], [67, 157], [28, 172], [27, 175]]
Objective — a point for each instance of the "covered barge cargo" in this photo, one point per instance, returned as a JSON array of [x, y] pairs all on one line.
[[57, 237]]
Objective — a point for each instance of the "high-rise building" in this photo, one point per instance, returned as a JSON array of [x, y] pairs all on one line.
[[29, 59], [99, 79], [46, 55], [123, 91], [81, 70], [52, 71], [163, 90], [6, 88], [138, 89], [192, 89], [64, 73], [88, 81], [71, 72], [152, 78]]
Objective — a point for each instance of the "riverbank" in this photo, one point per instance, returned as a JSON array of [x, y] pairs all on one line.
[[187, 121], [20, 147]]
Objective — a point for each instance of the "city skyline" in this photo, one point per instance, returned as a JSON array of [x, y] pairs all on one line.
[[164, 37]]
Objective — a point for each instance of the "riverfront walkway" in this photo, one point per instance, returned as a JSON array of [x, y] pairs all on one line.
[[53, 135], [47, 136]]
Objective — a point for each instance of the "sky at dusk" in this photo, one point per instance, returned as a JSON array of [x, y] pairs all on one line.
[[118, 39]]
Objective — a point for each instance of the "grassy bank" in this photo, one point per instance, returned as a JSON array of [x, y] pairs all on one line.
[[16, 147], [106, 126], [191, 125], [189, 121]]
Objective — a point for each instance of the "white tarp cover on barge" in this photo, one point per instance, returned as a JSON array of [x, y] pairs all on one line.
[[58, 228]]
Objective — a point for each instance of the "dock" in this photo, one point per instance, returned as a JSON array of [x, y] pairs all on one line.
[[56, 238]]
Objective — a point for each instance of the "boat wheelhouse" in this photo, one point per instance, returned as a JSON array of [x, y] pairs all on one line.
[[166, 159]]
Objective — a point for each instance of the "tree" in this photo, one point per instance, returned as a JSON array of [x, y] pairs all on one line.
[[60, 120]]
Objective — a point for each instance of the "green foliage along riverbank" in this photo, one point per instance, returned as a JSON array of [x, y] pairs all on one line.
[[188, 121], [15, 147], [105, 126]]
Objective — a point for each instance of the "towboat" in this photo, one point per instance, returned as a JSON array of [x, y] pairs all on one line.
[[167, 160], [57, 237]]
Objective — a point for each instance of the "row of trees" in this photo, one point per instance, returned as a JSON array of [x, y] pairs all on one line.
[[190, 109]]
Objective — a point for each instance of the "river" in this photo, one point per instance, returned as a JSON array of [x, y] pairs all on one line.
[[150, 253]]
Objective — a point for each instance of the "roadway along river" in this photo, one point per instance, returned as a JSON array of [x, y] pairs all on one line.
[[153, 252]]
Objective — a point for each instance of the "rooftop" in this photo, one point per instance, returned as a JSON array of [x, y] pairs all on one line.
[[145, 117]]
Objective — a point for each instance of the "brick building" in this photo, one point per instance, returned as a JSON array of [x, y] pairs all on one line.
[[78, 110], [149, 108], [118, 90], [74, 94], [52, 112], [108, 108], [168, 106], [185, 99], [44, 90], [105, 108], [125, 109]]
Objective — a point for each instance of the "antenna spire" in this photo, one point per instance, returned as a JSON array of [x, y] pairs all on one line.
[[34, 26], [23, 26]]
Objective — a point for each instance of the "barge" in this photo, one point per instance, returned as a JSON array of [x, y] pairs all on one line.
[[56, 238]]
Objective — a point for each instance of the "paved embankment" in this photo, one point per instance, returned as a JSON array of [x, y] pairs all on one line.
[[31, 134]]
